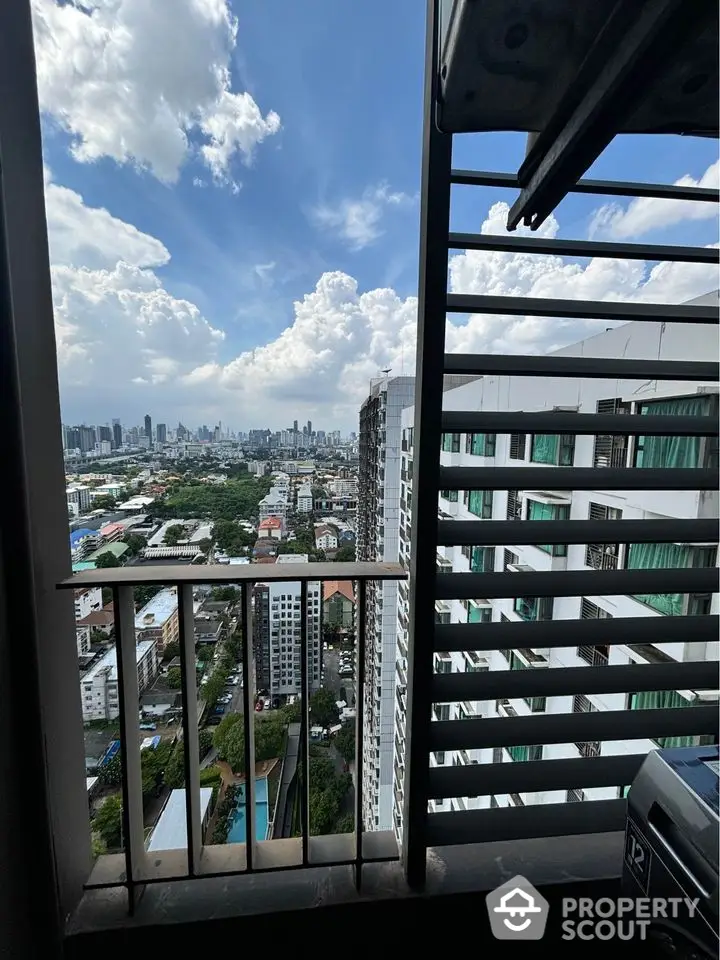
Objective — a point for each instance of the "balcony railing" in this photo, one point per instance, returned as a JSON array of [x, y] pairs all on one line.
[[135, 867]]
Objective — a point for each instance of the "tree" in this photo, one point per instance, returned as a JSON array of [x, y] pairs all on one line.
[[291, 712], [174, 534], [323, 710], [225, 594], [345, 743], [324, 809], [205, 653], [171, 650], [346, 824], [144, 595], [105, 502], [135, 543], [108, 821], [205, 742], [345, 555], [110, 774], [269, 734], [175, 768], [107, 559], [322, 773], [174, 678], [229, 740]]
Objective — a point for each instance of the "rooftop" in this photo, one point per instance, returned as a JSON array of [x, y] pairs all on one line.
[[345, 587], [170, 832], [118, 550], [108, 662], [99, 618], [160, 608], [271, 523], [77, 535]]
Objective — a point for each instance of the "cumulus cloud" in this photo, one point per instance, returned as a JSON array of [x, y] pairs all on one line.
[[114, 319], [145, 82], [340, 337], [358, 221], [645, 214]]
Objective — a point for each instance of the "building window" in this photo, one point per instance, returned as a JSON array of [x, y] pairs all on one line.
[[536, 704], [451, 495], [574, 796], [549, 511], [520, 754], [553, 448], [533, 608], [678, 451], [509, 558], [653, 556], [480, 503], [514, 505], [664, 700], [480, 444], [476, 614], [482, 560], [451, 442], [517, 446]]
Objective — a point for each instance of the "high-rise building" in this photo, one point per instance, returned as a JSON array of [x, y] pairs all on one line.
[[104, 434], [161, 433], [309, 425], [642, 340], [148, 427], [277, 637], [377, 540], [117, 434]]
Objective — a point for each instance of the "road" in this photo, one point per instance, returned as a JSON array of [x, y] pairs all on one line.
[[333, 681]]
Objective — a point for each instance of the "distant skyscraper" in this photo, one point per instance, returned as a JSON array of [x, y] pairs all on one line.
[[295, 426], [309, 427], [104, 434], [116, 434], [161, 433], [148, 427]]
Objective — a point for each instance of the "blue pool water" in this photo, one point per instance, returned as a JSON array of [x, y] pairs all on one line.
[[236, 833]]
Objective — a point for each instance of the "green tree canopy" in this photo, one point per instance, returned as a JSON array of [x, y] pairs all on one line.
[[174, 678], [228, 594], [323, 710], [345, 743], [107, 559], [105, 502], [345, 555], [174, 534], [108, 821], [145, 594], [135, 543]]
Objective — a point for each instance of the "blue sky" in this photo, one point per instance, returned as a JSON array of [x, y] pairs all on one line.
[[318, 207]]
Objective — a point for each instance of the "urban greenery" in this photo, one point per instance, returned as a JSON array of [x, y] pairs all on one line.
[[323, 708], [345, 742], [232, 500], [326, 795], [107, 559], [174, 534], [229, 739], [107, 823]]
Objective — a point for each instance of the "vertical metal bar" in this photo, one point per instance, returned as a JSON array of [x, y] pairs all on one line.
[[191, 748], [359, 717], [129, 704], [248, 661], [304, 744], [432, 296]]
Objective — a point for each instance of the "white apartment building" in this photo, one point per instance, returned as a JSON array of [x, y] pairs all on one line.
[[82, 638], [378, 517], [273, 504], [326, 537], [87, 601], [347, 489], [634, 340], [304, 499], [283, 635], [99, 686]]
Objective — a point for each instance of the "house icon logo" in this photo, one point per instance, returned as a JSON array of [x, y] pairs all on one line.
[[517, 911]]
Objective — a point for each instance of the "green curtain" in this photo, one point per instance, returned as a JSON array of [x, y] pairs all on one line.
[[549, 511], [668, 699], [482, 560], [447, 442], [544, 448], [654, 556], [672, 451], [479, 614], [480, 503], [483, 444], [525, 753]]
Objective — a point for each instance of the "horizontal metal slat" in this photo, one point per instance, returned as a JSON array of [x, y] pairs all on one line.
[[579, 424], [579, 309], [456, 637], [572, 728], [608, 188], [577, 478], [569, 681], [532, 776], [555, 246], [522, 823], [596, 368], [576, 583], [490, 533]]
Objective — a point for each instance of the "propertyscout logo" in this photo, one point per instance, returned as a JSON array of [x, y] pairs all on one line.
[[518, 911]]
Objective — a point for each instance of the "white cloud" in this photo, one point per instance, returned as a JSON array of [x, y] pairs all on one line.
[[115, 322], [341, 337], [140, 81], [645, 214], [357, 222]]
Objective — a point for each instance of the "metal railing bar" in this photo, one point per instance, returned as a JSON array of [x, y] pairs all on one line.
[[580, 309], [480, 533], [546, 728], [610, 188], [556, 246], [128, 704], [248, 662], [533, 776], [576, 583], [568, 681], [578, 424], [523, 823], [602, 368], [456, 637], [577, 478], [359, 714], [191, 749], [304, 724], [234, 574]]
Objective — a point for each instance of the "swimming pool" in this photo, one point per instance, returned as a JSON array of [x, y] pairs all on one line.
[[236, 833]]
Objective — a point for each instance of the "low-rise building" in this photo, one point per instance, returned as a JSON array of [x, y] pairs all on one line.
[[102, 619], [271, 527], [86, 601], [99, 686], [82, 637], [83, 542], [304, 500], [339, 604], [158, 620], [170, 831], [207, 630], [326, 537], [273, 504], [118, 550]]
